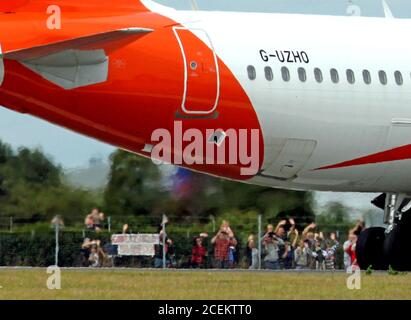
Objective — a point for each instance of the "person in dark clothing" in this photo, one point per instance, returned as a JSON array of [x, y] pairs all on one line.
[[318, 255], [288, 255]]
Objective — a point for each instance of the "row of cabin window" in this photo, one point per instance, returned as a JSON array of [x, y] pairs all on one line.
[[318, 75]]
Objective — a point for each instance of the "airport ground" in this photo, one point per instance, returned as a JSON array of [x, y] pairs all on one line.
[[242, 285]]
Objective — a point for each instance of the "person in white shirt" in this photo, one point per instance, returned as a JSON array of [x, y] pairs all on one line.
[[347, 258]]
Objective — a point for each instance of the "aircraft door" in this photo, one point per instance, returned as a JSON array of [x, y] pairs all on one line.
[[201, 72]]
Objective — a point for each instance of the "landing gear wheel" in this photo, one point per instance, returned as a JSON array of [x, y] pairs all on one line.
[[370, 249], [396, 247]]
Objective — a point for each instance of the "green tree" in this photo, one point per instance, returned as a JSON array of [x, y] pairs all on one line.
[[134, 186], [32, 188], [138, 187], [214, 196], [34, 167], [335, 217]]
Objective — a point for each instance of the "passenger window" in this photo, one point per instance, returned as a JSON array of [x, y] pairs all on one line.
[[285, 74], [367, 76], [302, 75], [398, 78], [350, 76], [318, 75], [383, 77], [269, 73], [334, 76], [252, 74]]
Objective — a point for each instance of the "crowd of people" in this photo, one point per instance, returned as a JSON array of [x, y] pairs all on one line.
[[282, 247]]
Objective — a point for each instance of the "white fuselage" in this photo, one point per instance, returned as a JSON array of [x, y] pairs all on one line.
[[309, 125]]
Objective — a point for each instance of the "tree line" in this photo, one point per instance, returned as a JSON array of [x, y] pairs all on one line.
[[33, 187]]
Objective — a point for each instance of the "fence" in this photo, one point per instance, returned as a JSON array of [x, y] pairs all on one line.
[[24, 243]]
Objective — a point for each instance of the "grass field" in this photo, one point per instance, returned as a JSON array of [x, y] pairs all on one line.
[[137, 284]]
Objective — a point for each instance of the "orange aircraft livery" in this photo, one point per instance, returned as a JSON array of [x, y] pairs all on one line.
[[116, 71]]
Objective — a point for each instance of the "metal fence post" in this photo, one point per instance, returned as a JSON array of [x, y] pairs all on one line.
[[259, 241], [212, 218], [57, 226], [164, 242], [11, 224]]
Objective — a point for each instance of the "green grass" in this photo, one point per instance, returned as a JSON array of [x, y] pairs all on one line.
[[137, 284]]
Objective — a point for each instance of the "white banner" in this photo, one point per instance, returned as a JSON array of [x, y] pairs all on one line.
[[135, 244], [143, 249]]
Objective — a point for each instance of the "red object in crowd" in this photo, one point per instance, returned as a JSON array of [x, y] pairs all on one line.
[[221, 249], [352, 254], [198, 254]]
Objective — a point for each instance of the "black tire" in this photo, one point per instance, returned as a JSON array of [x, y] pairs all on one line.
[[370, 249], [396, 247]]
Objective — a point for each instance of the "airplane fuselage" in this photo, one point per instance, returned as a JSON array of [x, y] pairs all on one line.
[[330, 97]]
